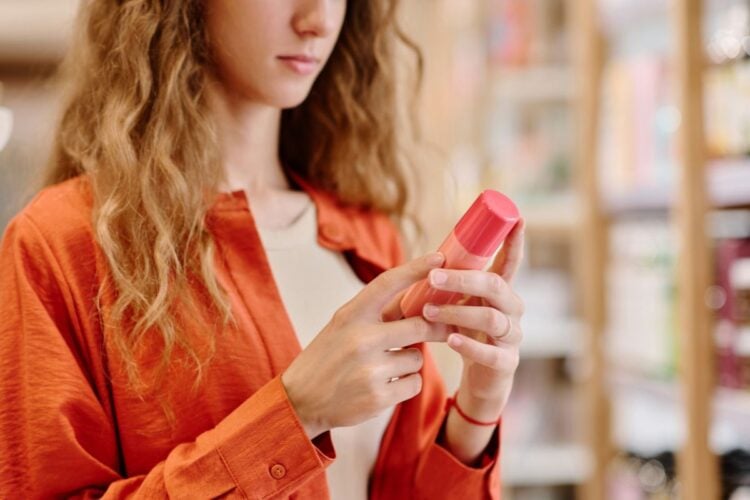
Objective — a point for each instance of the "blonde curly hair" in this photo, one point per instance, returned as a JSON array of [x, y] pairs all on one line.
[[136, 122]]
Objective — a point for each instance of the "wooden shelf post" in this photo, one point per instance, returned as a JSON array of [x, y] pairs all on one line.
[[697, 467], [593, 244]]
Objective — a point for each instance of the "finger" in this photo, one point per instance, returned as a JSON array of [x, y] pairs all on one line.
[[490, 286], [405, 388], [392, 311], [402, 363], [508, 260], [484, 319], [491, 356], [410, 331], [380, 291]]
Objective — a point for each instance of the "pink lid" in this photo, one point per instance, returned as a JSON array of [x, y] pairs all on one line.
[[487, 223]]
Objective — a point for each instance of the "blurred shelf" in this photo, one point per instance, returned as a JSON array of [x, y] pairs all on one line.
[[649, 417], [733, 402], [627, 12], [555, 218], [533, 84], [539, 465], [35, 31], [619, 16], [729, 182], [728, 186], [644, 199], [650, 414], [552, 338]]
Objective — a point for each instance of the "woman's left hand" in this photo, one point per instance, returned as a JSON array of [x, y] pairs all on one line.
[[488, 322]]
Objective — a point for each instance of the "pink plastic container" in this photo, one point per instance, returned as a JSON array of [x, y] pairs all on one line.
[[471, 244]]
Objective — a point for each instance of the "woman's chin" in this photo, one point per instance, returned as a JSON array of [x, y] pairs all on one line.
[[291, 98]]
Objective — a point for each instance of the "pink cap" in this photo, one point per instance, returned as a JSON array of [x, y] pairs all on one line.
[[487, 223]]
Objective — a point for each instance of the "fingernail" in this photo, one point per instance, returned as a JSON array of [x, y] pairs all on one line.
[[435, 259], [454, 340], [430, 311], [438, 277]]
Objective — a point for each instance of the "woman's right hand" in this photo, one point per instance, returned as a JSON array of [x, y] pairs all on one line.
[[342, 377]]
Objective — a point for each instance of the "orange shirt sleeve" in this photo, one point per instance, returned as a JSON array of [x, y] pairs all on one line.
[[58, 435], [439, 473]]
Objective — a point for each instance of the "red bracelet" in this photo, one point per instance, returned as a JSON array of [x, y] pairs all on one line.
[[453, 402]]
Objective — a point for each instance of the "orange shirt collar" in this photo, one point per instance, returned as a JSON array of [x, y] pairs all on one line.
[[335, 228]]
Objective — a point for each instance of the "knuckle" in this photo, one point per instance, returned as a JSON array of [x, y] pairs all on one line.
[[341, 314], [460, 279], [495, 282], [494, 320], [359, 345], [372, 378], [421, 327], [364, 348]]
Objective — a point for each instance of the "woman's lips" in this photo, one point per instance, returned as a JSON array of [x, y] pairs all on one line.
[[301, 64]]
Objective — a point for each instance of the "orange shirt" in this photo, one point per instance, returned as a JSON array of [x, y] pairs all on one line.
[[69, 425]]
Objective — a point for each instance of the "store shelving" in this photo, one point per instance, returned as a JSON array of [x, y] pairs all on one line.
[[552, 338], [550, 219], [680, 411], [545, 465], [727, 183], [537, 84]]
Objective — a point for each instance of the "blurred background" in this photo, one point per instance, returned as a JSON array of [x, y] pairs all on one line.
[[622, 130]]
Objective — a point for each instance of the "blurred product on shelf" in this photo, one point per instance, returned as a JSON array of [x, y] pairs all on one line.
[[727, 31], [638, 126], [546, 294], [530, 150], [642, 478], [527, 31], [642, 296], [639, 477], [727, 101], [733, 322], [540, 392], [528, 128]]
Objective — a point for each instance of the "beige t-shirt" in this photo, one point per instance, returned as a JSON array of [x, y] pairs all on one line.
[[314, 282]]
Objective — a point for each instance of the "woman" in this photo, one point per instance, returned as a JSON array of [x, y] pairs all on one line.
[[162, 337]]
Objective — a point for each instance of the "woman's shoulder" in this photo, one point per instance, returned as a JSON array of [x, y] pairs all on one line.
[[57, 220], [60, 205]]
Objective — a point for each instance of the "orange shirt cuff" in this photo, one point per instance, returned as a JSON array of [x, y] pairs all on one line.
[[265, 448]]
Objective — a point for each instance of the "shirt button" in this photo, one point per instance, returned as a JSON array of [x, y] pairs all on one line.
[[278, 471]]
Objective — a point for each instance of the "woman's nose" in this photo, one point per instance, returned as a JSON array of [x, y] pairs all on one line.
[[317, 17]]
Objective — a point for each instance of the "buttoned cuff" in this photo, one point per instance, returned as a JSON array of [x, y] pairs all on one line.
[[265, 448]]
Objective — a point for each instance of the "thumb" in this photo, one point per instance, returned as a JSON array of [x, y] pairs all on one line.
[[381, 291], [392, 311]]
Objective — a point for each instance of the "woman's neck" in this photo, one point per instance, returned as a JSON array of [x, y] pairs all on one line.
[[249, 140]]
